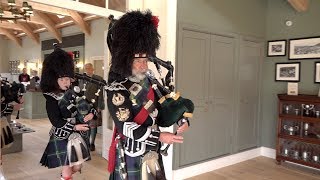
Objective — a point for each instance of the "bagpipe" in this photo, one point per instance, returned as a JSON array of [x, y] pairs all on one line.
[[75, 104], [11, 92], [173, 107]]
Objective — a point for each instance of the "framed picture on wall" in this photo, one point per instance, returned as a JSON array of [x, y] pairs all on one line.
[[289, 72], [304, 48], [317, 72], [277, 48]]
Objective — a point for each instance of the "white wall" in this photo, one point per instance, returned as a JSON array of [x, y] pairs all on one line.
[[30, 50], [94, 44]]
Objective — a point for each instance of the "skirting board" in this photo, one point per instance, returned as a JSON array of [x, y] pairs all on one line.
[[222, 162]]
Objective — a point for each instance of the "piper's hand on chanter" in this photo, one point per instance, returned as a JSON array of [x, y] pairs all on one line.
[[170, 138], [184, 127], [17, 107], [81, 127], [21, 100], [88, 117]]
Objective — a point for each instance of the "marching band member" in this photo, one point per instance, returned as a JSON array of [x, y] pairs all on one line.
[[67, 145], [11, 99], [10, 92], [132, 102]]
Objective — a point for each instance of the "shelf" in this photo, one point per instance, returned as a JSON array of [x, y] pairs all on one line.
[[310, 119], [292, 111], [289, 116], [311, 139], [307, 163], [299, 118], [301, 98]]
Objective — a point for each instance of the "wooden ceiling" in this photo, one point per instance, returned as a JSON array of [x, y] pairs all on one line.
[[46, 19]]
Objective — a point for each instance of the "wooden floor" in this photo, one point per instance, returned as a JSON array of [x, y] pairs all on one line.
[[25, 165], [261, 168]]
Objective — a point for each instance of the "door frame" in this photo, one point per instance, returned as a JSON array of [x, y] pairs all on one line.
[[106, 133]]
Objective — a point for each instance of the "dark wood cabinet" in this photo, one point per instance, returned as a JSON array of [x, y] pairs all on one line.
[[298, 133]]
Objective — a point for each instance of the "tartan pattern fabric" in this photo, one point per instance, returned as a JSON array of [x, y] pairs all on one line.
[[133, 167], [141, 96], [55, 154]]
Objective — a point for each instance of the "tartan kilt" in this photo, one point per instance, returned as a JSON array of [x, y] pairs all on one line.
[[55, 154], [133, 167]]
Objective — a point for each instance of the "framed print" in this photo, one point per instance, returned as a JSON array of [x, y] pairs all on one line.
[[277, 48], [317, 72], [289, 72], [304, 48]]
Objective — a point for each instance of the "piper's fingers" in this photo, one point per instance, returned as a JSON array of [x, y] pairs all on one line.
[[177, 141]]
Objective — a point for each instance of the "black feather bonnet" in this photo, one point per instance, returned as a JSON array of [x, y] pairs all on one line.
[[135, 32], [56, 65]]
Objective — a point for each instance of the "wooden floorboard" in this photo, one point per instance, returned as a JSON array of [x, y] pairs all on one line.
[[25, 165], [261, 168]]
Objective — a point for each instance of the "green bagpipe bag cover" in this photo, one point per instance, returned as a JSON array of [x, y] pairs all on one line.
[[171, 111]]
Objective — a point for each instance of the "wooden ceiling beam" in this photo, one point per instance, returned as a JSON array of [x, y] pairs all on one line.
[[11, 36], [49, 24], [40, 7], [20, 26], [61, 25], [78, 19], [8, 25], [299, 5], [28, 30]]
